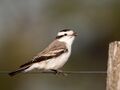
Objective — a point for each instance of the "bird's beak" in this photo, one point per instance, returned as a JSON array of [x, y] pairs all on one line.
[[75, 34]]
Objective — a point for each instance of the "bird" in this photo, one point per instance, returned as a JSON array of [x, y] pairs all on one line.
[[52, 57]]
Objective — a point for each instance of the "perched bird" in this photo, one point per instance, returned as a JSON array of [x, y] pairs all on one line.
[[53, 57]]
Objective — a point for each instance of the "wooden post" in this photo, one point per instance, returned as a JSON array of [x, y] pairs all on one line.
[[113, 72]]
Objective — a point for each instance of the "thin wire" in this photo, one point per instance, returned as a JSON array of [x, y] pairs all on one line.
[[66, 72]]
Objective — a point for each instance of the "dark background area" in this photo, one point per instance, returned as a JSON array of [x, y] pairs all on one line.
[[28, 26]]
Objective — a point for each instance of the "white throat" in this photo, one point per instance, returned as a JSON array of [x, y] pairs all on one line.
[[67, 40]]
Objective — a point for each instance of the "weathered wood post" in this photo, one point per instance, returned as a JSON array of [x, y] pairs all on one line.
[[113, 71]]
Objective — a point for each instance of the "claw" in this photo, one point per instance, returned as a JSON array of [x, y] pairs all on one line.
[[59, 72]]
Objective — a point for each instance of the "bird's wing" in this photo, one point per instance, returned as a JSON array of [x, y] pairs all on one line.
[[53, 50]]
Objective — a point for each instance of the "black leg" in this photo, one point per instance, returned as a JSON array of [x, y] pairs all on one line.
[[58, 72], [55, 71]]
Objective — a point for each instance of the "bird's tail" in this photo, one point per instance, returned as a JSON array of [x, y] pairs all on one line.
[[18, 71]]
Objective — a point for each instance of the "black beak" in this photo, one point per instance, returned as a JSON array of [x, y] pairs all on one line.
[[75, 34]]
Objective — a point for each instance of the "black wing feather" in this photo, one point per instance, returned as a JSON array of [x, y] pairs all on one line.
[[42, 58]]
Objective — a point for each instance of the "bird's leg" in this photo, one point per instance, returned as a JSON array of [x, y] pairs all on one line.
[[54, 71], [57, 72]]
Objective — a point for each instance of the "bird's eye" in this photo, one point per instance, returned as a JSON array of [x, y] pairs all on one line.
[[65, 34]]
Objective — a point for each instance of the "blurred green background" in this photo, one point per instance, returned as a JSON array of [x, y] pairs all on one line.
[[28, 26]]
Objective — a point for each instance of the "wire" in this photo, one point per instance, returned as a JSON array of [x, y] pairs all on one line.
[[66, 72]]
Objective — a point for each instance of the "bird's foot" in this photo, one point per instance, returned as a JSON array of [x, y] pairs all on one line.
[[59, 72]]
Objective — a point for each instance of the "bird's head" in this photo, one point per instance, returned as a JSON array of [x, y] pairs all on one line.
[[66, 35]]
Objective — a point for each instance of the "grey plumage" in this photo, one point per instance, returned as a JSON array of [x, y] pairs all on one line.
[[53, 57], [55, 49]]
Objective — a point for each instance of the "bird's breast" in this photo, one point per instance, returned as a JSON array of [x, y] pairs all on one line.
[[58, 62]]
